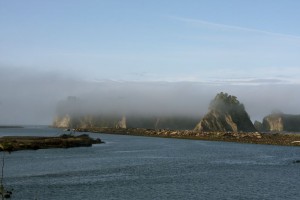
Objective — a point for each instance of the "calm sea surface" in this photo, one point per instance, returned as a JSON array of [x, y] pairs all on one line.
[[129, 167]]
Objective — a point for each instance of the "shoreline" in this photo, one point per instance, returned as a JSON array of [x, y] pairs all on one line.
[[281, 139], [17, 143], [11, 126]]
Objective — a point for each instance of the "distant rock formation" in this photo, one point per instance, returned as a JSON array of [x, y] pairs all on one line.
[[281, 122], [62, 121], [226, 113], [258, 126], [71, 114], [122, 123], [88, 121], [132, 121], [273, 122], [162, 122]]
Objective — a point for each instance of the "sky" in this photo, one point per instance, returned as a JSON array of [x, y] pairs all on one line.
[[48, 47]]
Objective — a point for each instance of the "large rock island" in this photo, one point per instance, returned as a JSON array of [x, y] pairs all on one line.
[[226, 113]]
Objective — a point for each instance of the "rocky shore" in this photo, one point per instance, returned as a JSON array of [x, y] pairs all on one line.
[[241, 137], [16, 143]]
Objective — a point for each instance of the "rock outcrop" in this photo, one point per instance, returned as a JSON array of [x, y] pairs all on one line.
[[122, 123], [281, 122], [226, 113], [258, 126], [88, 121], [62, 121], [16, 143]]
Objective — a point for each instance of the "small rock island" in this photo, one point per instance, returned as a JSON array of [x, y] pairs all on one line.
[[16, 143]]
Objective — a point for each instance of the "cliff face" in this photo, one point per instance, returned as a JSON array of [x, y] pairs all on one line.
[[62, 121], [273, 122], [88, 121], [281, 122], [226, 113]]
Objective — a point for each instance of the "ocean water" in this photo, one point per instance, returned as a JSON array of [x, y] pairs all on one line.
[[131, 167]]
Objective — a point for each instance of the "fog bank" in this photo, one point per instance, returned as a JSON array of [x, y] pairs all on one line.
[[33, 97]]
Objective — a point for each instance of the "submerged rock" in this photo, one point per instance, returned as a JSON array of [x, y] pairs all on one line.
[[226, 113]]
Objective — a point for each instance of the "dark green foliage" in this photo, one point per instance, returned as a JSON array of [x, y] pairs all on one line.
[[224, 102], [291, 122]]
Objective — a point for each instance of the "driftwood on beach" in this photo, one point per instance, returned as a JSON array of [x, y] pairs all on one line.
[[15, 143]]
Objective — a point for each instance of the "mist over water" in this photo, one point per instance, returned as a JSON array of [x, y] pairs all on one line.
[[33, 97], [142, 98]]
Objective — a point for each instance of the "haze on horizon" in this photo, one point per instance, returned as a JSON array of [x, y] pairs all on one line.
[[147, 56]]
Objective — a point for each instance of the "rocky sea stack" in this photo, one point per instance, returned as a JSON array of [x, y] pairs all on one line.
[[226, 114], [281, 122], [72, 114]]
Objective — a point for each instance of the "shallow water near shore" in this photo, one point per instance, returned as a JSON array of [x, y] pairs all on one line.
[[134, 167]]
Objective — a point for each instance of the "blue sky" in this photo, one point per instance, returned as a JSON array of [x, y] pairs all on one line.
[[214, 41], [52, 49]]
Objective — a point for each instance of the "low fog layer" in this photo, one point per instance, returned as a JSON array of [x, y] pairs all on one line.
[[30, 97]]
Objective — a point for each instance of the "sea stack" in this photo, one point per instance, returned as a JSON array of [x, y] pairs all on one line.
[[226, 114], [281, 122]]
